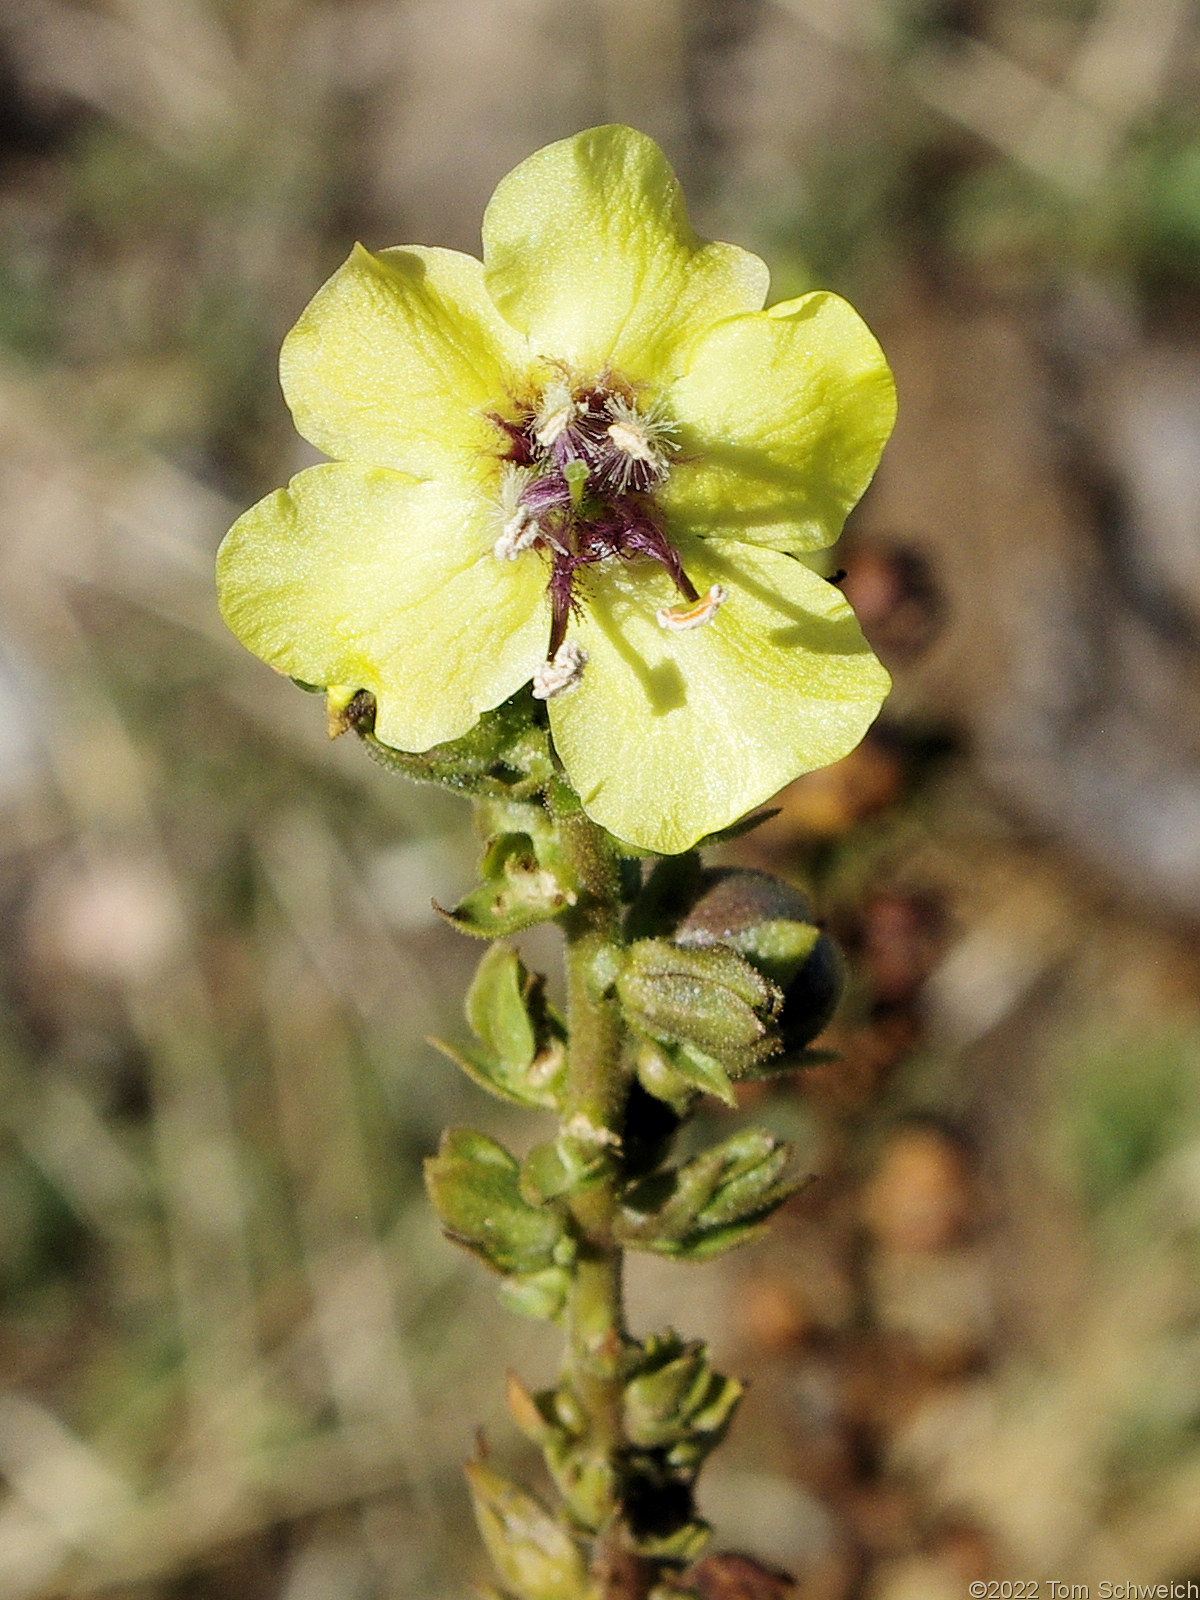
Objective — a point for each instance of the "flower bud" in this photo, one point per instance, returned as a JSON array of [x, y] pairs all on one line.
[[769, 923], [706, 998], [678, 1399], [534, 1555], [712, 1203], [473, 1183], [585, 1477]]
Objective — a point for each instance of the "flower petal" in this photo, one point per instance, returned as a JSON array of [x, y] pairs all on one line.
[[398, 359], [673, 735], [782, 418], [589, 251], [363, 577]]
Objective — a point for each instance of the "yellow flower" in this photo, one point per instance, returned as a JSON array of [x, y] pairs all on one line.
[[589, 462]]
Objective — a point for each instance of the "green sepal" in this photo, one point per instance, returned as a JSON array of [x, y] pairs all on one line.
[[681, 1545], [676, 1073], [707, 999], [677, 1400], [708, 1245], [540, 1295], [533, 1554], [586, 1478], [517, 892], [702, 1072], [506, 754], [474, 1185], [560, 1167], [658, 1076], [521, 1055], [712, 1203]]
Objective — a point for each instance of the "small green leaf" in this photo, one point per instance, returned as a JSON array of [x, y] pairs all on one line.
[[497, 1010], [532, 1413], [559, 1167], [532, 1553], [473, 1183]]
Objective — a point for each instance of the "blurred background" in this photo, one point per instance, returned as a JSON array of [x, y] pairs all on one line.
[[236, 1357]]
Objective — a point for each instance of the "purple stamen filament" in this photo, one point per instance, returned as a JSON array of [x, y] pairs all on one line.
[[612, 517]]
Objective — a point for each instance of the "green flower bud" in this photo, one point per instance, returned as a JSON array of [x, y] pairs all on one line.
[[521, 1056], [769, 923], [534, 1555], [712, 1203], [586, 1479], [677, 1400], [709, 1000], [656, 1401], [473, 1183]]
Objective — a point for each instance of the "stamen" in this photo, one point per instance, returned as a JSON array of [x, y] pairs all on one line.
[[633, 441], [677, 619], [642, 442], [555, 414], [561, 674], [518, 534]]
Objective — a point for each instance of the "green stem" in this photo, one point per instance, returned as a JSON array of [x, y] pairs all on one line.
[[596, 1095]]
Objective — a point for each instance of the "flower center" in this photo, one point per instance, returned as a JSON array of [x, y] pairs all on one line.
[[581, 468]]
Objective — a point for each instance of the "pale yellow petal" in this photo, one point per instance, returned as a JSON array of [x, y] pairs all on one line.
[[673, 735], [589, 251], [782, 417], [398, 360], [364, 578]]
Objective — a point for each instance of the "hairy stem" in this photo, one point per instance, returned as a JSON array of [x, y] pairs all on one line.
[[595, 1100]]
